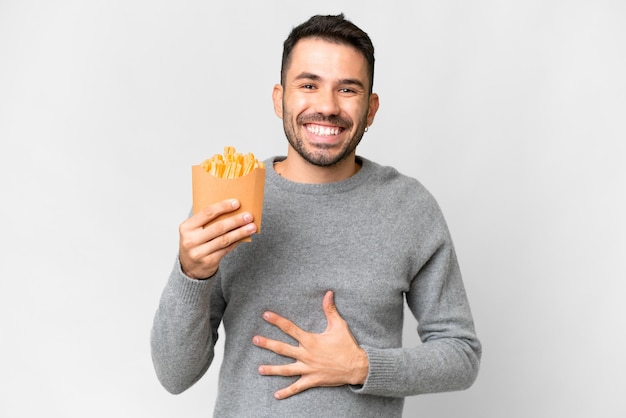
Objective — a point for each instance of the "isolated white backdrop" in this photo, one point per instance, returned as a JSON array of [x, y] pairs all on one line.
[[510, 112]]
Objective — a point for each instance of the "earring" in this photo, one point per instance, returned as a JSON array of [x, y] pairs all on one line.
[[367, 128]]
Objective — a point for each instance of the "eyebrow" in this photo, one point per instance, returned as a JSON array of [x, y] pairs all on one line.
[[342, 81]]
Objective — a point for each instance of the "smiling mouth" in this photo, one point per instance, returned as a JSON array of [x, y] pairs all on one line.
[[320, 130]]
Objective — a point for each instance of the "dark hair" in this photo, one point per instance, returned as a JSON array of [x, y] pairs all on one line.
[[333, 29]]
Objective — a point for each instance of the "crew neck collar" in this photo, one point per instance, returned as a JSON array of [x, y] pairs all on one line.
[[350, 183]]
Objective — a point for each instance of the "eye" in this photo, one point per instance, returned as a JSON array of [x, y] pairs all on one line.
[[308, 86], [345, 91]]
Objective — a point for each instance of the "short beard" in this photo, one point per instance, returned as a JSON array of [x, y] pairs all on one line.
[[318, 157]]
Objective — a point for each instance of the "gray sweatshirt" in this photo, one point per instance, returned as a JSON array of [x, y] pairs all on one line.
[[375, 239]]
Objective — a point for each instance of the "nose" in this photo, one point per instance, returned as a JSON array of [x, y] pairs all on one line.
[[327, 102]]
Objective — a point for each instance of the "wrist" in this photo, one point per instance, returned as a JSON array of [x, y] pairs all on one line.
[[197, 274], [360, 368]]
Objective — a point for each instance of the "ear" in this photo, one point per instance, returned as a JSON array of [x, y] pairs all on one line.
[[277, 98], [373, 108]]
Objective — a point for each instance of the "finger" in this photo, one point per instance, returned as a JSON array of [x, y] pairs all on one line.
[[214, 248], [229, 230], [287, 370], [295, 388], [285, 325], [328, 303], [213, 211], [204, 265], [330, 309], [202, 249], [278, 347], [224, 232]]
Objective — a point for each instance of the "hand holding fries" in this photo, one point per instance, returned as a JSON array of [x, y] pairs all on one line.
[[205, 240], [216, 226]]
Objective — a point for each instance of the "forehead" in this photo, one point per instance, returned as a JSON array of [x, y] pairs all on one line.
[[327, 59]]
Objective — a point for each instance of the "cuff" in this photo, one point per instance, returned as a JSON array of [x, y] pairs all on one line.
[[381, 371], [187, 289]]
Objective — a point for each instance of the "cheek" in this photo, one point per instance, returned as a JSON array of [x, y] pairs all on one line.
[[358, 114], [298, 105]]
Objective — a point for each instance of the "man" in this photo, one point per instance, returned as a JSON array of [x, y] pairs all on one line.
[[313, 307]]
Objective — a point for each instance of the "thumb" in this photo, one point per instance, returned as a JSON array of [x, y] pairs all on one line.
[[330, 309]]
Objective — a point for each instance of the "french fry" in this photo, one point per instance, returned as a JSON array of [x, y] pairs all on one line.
[[231, 164]]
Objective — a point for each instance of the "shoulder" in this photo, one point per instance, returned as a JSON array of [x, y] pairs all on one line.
[[397, 184]]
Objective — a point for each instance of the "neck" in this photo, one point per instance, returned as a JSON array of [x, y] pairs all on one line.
[[298, 170]]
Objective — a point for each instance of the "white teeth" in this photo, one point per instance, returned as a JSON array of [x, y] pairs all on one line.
[[322, 130]]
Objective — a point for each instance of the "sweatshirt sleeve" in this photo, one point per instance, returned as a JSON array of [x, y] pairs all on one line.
[[183, 333], [448, 358]]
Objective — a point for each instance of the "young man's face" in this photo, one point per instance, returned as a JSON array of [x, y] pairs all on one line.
[[325, 102]]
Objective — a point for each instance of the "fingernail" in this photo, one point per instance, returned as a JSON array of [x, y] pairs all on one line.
[[234, 203], [247, 217], [255, 340]]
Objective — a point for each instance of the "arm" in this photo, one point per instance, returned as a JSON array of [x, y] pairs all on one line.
[[185, 324], [447, 360], [449, 357], [183, 336]]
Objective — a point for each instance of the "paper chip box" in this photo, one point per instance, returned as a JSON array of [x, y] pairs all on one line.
[[248, 189]]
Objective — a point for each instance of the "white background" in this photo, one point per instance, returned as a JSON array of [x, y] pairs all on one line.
[[511, 112]]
